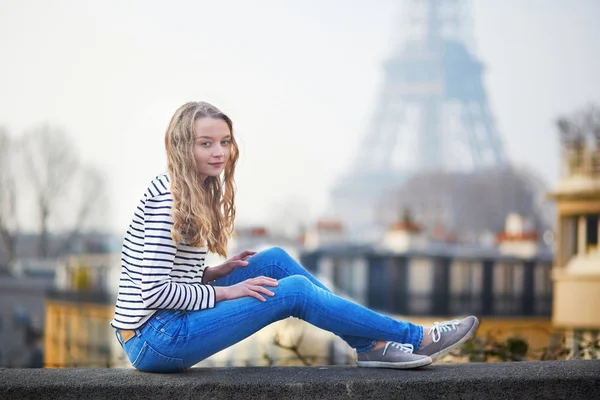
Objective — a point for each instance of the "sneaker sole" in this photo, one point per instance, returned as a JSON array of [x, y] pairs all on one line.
[[444, 352], [399, 365]]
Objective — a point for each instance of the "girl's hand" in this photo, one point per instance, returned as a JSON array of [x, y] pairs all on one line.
[[219, 271], [240, 259], [253, 287]]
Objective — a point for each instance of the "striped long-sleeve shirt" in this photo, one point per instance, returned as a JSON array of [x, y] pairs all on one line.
[[157, 273]]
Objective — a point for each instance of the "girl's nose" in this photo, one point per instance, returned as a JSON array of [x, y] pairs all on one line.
[[219, 152]]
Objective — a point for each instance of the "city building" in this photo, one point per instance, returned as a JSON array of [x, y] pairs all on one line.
[[516, 239], [23, 288], [576, 272], [421, 279], [325, 232], [79, 309], [405, 235]]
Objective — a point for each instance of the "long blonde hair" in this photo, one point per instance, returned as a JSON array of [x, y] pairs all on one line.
[[203, 211]]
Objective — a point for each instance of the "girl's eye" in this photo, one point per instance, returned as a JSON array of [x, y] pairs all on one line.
[[205, 144], [225, 142]]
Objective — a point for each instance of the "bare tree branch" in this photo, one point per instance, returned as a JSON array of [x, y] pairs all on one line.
[[470, 205], [581, 127], [51, 164], [294, 347], [91, 189]]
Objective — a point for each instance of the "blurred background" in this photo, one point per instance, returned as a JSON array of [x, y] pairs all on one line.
[[425, 158]]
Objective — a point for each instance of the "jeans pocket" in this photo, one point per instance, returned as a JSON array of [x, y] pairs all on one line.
[[150, 360], [166, 322], [130, 346]]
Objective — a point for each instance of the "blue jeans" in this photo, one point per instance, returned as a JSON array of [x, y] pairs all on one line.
[[174, 340]]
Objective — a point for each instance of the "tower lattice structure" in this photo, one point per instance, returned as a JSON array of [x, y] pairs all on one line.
[[432, 112]]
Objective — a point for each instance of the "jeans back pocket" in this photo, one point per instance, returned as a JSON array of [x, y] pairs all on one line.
[[150, 360]]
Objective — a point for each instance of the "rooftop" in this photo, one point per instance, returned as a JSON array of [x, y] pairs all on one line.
[[522, 380]]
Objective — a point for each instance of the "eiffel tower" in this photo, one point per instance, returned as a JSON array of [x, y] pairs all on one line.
[[432, 113]]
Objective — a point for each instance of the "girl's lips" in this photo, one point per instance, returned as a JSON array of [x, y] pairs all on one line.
[[218, 165]]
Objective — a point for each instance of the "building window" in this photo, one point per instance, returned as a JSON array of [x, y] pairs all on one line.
[[420, 283], [465, 287], [20, 317], [591, 233], [543, 280], [572, 238], [543, 289], [508, 288]]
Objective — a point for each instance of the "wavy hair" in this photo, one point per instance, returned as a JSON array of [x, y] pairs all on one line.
[[203, 210]]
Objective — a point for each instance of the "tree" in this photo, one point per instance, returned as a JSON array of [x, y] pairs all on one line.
[[8, 196], [580, 140], [471, 204], [66, 191], [89, 198], [583, 127], [50, 164]]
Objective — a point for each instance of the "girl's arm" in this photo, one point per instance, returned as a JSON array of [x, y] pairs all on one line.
[[159, 291]]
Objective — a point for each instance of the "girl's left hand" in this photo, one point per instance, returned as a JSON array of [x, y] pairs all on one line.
[[228, 266], [238, 261]]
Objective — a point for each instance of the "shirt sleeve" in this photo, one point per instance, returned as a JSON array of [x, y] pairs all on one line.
[[159, 291], [201, 272]]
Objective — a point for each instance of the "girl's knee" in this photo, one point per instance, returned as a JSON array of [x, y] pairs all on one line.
[[297, 290], [296, 283], [277, 253]]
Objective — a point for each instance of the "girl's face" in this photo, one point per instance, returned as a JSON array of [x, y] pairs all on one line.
[[212, 146]]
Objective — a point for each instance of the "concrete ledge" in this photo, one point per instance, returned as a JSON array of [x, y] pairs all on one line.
[[526, 380]]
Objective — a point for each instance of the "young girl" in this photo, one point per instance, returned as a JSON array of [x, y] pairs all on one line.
[[173, 311]]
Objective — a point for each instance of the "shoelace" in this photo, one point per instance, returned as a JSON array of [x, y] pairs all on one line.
[[438, 328], [405, 347]]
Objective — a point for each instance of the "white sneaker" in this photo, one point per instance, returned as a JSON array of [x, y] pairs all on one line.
[[393, 355], [448, 335]]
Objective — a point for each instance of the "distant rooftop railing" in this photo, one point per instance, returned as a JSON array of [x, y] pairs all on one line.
[[581, 160], [485, 283]]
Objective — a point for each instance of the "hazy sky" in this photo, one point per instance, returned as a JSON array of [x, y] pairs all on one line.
[[299, 79]]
